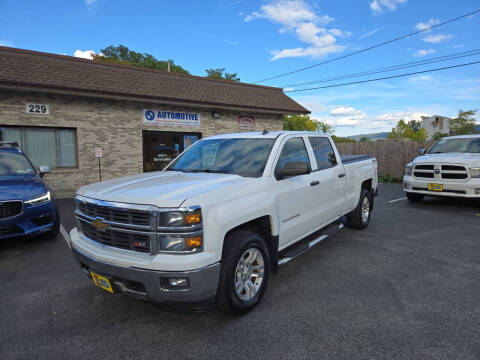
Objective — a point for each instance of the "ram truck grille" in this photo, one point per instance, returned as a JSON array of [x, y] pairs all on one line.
[[440, 172], [10, 209]]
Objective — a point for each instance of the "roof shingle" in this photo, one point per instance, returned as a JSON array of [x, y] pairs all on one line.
[[57, 72]]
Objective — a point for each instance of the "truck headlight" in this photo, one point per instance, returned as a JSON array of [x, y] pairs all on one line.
[[475, 172], [408, 170], [39, 199], [186, 243], [184, 217]]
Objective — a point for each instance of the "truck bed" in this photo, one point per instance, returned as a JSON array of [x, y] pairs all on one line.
[[348, 159]]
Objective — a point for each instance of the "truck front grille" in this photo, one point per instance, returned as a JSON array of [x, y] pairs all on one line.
[[10, 209], [118, 215], [440, 172], [118, 239]]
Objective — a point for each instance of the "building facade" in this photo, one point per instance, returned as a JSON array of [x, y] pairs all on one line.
[[87, 120], [436, 123]]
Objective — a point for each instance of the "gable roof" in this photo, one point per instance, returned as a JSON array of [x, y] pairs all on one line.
[[25, 68]]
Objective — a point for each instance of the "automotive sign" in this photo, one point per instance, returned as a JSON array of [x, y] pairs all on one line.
[[171, 118]]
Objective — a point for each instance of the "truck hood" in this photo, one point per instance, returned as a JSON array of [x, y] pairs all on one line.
[[467, 159], [162, 188]]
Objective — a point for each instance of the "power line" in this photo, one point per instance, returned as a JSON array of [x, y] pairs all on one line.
[[391, 68], [369, 48], [386, 77]]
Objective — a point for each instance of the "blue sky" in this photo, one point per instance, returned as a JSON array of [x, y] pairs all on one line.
[[259, 39]]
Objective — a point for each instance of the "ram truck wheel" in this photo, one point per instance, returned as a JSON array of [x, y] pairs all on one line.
[[414, 197], [359, 218], [244, 273]]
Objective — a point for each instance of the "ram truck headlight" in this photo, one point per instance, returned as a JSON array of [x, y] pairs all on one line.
[[475, 172], [40, 199], [408, 170]]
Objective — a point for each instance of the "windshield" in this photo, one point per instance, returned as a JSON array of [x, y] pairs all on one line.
[[14, 164], [464, 145], [244, 157]]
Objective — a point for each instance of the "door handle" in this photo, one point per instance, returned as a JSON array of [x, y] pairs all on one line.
[[341, 175], [315, 182]]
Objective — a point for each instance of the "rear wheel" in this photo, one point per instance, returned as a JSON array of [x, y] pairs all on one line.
[[244, 273], [359, 218], [414, 197]]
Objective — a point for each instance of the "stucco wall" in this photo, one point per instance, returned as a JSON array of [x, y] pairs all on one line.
[[116, 126]]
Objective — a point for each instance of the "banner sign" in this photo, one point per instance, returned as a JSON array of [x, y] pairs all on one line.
[[246, 123], [171, 118]]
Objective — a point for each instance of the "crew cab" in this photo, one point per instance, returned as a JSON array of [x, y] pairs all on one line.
[[451, 167], [27, 207], [220, 217]]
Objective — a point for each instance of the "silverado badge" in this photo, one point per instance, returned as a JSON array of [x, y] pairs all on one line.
[[100, 225]]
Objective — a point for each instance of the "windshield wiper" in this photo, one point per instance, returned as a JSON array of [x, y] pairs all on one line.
[[206, 171]]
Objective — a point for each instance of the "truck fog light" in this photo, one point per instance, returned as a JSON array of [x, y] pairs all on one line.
[[406, 186], [174, 283], [477, 191]]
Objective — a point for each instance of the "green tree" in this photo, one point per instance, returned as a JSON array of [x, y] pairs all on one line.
[[324, 127], [438, 136], [339, 139], [123, 55], [404, 131], [364, 139], [464, 123], [299, 123], [220, 73], [415, 125]]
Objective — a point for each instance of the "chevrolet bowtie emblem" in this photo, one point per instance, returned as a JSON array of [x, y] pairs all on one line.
[[99, 224]]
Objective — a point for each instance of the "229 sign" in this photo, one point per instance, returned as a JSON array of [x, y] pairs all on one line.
[[41, 109]]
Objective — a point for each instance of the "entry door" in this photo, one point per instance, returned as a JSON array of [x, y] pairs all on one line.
[[330, 177], [294, 194]]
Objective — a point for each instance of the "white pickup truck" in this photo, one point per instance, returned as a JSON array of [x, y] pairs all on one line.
[[451, 167], [219, 218]]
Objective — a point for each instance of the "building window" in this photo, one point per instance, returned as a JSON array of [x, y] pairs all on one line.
[[54, 147]]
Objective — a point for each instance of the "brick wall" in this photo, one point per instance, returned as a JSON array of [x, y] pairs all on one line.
[[116, 126]]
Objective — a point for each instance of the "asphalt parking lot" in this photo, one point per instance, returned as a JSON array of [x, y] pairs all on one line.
[[406, 287]]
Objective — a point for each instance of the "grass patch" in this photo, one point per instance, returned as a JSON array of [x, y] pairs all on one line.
[[389, 179]]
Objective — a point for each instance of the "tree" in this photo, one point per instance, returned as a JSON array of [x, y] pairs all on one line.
[[123, 55], [364, 139], [464, 123], [339, 139], [299, 123], [404, 131], [324, 127], [415, 125], [220, 73], [438, 136]]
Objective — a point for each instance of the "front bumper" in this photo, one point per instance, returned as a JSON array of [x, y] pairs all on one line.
[[34, 220], [467, 189], [146, 284]]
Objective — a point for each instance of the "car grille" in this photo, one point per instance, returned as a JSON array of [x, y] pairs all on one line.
[[118, 215], [10, 230], [440, 172], [10, 209], [118, 239]]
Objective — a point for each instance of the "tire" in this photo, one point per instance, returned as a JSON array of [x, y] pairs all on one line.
[[52, 234], [415, 198], [359, 218], [248, 246]]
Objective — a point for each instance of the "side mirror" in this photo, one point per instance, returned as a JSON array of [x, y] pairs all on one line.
[[293, 168], [421, 151], [43, 170], [332, 158]]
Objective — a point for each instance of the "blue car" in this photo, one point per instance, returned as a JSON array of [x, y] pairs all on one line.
[[27, 207]]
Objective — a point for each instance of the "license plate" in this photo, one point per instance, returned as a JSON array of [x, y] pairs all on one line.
[[435, 187], [102, 282]]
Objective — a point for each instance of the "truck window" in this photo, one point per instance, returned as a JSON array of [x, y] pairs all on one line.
[[294, 150], [323, 151]]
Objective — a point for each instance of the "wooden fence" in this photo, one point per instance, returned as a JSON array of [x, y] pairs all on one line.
[[392, 155]]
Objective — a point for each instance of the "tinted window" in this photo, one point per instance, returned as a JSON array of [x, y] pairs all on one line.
[[323, 151], [293, 151], [244, 157]]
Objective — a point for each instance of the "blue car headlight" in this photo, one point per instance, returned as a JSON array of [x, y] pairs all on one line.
[[44, 198]]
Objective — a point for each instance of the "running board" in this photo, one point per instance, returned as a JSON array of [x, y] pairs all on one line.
[[299, 250]]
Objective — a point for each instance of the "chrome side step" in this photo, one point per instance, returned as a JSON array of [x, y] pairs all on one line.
[[297, 251]]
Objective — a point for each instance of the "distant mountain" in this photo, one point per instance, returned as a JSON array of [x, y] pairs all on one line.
[[371, 137]]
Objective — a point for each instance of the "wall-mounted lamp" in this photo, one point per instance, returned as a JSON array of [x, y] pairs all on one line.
[[215, 115]]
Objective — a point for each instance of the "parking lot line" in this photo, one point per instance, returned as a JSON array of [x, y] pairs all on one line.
[[65, 235], [391, 201]]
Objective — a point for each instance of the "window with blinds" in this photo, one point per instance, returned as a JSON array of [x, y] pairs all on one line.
[[54, 147]]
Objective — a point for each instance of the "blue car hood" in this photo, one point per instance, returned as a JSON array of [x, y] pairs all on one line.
[[24, 187]]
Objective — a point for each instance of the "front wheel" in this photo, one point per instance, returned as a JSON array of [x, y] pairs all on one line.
[[359, 218], [244, 273]]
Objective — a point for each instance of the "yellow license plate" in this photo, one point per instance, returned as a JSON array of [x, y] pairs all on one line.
[[101, 282], [435, 187]]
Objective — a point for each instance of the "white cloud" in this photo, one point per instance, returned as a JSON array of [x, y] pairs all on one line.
[[298, 17], [289, 89], [87, 54], [6, 43], [370, 33], [345, 111], [379, 6], [231, 42], [420, 78], [428, 24], [436, 39], [423, 52]]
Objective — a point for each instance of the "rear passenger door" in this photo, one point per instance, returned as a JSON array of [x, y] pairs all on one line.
[[330, 179]]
